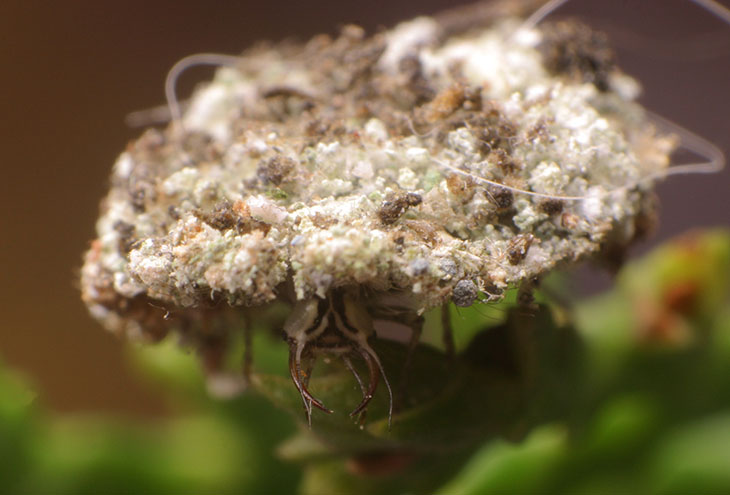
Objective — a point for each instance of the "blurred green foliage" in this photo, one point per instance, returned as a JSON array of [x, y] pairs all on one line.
[[627, 392]]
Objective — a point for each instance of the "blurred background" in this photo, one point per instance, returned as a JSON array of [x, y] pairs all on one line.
[[73, 70]]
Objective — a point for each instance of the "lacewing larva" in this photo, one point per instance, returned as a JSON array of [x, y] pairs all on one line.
[[365, 178]]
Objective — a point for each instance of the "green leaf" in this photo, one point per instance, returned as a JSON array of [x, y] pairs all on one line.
[[694, 458]]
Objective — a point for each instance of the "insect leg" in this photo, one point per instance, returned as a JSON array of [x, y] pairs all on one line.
[[416, 326], [447, 335], [247, 349]]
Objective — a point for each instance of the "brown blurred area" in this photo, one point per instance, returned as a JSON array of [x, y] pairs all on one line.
[[72, 70]]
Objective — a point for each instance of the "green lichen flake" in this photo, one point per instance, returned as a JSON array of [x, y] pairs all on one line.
[[375, 163]]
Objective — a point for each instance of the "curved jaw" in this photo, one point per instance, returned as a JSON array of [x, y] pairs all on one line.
[[373, 373], [301, 378], [335, 325]]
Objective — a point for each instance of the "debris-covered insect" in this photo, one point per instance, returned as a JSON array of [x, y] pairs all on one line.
[[374, 177]]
